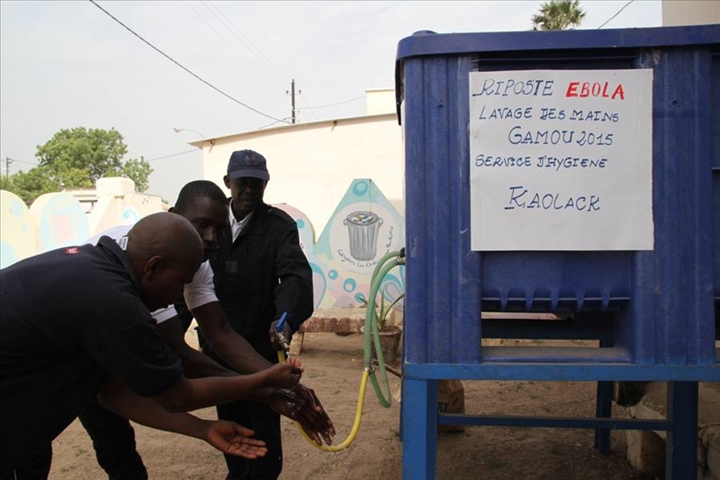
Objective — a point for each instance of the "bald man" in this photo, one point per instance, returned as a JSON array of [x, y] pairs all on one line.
[[75, 319], [205, 206]]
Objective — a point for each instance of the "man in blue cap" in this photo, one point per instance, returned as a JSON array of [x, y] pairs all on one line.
[[261, 275]]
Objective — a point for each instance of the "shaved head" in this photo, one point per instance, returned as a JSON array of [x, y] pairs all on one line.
[[165, 251], [163, 234]]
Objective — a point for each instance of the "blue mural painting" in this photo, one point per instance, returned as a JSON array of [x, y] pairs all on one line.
[[363, 228]]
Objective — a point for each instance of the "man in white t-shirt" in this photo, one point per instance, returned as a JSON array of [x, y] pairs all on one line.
[[204, 204], [197, 293]]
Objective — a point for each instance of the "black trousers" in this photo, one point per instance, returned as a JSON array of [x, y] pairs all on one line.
[[36, 468], [266, 423], [114, 441]]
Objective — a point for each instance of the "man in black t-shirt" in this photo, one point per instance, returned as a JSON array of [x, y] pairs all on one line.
[[75, 319]]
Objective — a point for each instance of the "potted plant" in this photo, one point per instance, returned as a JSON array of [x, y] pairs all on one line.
[[389, 334], [383, 314]]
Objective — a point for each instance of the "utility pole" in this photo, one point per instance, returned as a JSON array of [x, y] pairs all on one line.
[[292, 99], [8, 161]]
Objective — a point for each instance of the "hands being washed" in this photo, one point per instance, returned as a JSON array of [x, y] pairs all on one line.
[[302, 405]]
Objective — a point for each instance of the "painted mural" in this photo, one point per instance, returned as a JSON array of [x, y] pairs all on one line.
[[54, 220], [18, 237], [363, 228], [59, 221]]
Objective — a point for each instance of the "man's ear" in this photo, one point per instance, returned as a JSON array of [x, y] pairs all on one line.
[[152, 267], [226, 179]]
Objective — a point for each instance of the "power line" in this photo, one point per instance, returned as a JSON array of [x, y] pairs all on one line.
[[182, 66], [616, 14], [9, 161], [312, 109], [22, 161], [283, 76], [171, 155], [271, 124], [308, 105], [235, 31], [339, 103], [227, 41]]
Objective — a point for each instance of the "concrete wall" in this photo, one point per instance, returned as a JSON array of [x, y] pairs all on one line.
[[61, 219], [312, 164]]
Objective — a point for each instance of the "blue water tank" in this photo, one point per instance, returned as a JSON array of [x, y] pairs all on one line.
[[665, 300]]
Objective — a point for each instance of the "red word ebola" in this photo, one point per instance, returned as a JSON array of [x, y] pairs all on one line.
[[595, 89]]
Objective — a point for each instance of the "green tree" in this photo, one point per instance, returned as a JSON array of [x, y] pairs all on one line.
[[31, 184], [138, 170], [77, 158], [558, 15]]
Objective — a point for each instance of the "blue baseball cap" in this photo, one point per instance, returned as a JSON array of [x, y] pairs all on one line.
[[247, 163]]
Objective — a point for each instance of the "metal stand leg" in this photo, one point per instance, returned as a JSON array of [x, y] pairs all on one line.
[[603, 409], [603, 406], [681, 444], [420, 434]]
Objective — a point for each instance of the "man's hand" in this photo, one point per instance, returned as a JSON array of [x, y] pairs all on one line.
[[234, 439], [286, 333], [302, 405], [283, 375], [296, 363]]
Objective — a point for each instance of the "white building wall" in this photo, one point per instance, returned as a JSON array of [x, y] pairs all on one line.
[[690, 12], [380, 100], [312, 164]]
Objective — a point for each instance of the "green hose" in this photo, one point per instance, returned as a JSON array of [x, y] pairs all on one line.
[[387, 263], [383, 261], [370, 313]]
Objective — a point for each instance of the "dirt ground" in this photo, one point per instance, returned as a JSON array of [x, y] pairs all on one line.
[[333, 367]]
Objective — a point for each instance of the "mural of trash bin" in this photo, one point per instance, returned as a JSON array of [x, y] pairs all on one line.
[[363, 228]]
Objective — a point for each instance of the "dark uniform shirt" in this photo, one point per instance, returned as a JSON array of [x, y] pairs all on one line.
[[69, 317], [184, 314], [261, 275]]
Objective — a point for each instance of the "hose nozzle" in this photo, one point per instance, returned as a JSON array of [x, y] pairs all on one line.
[[284, 342]]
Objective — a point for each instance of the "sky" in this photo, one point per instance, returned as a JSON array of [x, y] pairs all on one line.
[[69, 64]]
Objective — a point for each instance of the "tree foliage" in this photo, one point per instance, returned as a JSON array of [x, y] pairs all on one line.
[[558, 15], [138, 170], [77, 158], [31, 184]]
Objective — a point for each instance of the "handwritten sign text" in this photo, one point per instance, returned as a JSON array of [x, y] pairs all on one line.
[[561, 160]]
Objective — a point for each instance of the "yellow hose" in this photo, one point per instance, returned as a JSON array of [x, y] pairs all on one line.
[[387, 263], [358, 416]]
